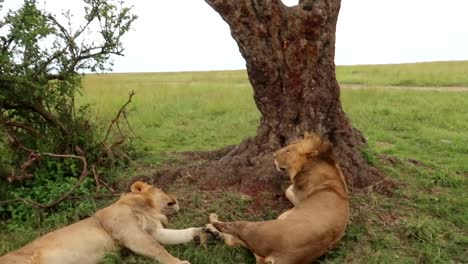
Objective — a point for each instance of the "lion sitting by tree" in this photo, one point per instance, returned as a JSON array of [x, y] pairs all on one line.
[[316, 222]]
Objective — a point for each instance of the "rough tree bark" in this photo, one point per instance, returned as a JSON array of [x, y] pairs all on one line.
[[290, 63]]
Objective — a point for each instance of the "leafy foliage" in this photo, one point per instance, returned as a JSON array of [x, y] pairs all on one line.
[[40, 65], [51, 179], [42, 59]]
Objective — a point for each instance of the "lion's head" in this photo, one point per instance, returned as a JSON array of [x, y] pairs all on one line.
[[166, 203], [293, 157]]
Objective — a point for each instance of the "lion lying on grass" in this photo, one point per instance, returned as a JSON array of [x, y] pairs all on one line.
[[316, 222], [136, 221]]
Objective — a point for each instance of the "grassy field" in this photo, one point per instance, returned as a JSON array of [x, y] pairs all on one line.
[[453, 73], [178, 111], [418, 138]]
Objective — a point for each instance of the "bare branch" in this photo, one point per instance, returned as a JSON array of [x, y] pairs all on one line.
[[13, 140], [107, 186], [96, 177], [116, 119], [33, 157], [21, 125], [128, 123], [49, 118]]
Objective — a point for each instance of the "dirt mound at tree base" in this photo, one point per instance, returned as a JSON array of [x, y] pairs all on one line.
[[216, 171], [212, 171]]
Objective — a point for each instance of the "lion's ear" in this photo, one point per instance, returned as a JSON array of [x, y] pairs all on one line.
[[307, 149], [139, 186], [312, 153], [306, 134], [325, 147]]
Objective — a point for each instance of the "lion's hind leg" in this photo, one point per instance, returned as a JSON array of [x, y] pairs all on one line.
[[229, 239], [20, 257]]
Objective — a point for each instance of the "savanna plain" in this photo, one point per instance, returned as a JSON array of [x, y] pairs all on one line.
[[418, 137]]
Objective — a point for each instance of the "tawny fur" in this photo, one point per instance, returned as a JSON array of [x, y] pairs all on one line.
[[316, 222], [136, 221]]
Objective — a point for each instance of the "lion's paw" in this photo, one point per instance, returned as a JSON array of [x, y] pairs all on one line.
[[213, 218], [208, 235], [212, 233]]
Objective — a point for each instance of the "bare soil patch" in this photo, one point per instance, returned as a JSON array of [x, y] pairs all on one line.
[[257, 179]]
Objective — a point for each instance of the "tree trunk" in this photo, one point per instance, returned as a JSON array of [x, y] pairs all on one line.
[[290, 63]]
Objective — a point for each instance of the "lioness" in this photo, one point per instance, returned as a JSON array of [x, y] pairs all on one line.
[[136, 221], [316, 222]]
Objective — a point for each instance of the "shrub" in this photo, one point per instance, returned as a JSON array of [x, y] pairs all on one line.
[[51, 142]]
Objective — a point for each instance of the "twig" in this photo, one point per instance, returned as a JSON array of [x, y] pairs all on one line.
[[117, 143], [117, 124], [116, 119], [13, 140], [33, 157], [109, 150], [96, 177], [107, 186], [11, 123], [128, 124]]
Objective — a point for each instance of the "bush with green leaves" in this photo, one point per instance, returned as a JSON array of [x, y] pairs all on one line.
[[51, 179], [42, 60]]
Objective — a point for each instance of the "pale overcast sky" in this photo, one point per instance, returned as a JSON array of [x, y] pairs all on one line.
[[187, 35]]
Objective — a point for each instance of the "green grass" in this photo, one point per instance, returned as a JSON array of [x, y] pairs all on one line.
[[425, 221], [428, 216], [169, 109], [453, 73]]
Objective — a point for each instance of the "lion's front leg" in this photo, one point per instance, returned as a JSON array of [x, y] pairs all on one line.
[[176, 236], [142, 243], [289, 193]]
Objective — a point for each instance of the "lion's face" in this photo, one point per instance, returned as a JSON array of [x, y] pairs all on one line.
[[167, 203], [289, 157], [293, 157]]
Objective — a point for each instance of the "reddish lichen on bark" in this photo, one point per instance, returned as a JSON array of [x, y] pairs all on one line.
[[290, 54]]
